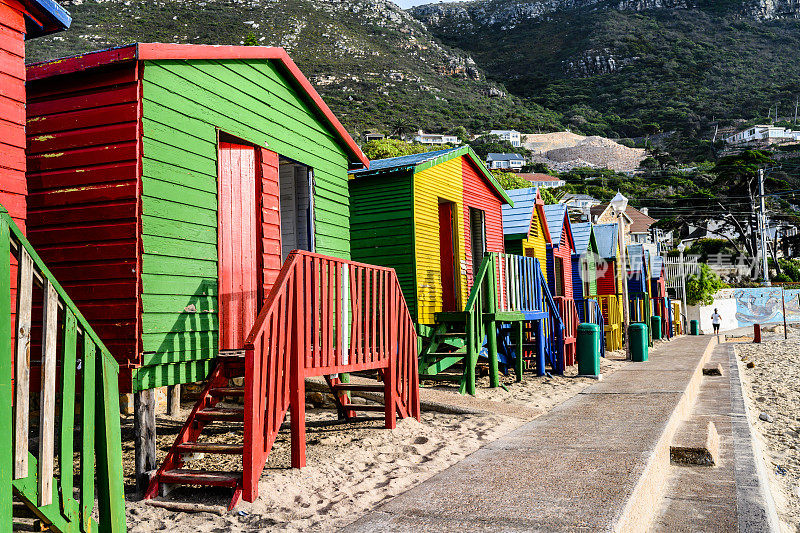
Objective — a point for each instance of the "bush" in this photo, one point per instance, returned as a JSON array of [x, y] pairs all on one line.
[[702, 288]]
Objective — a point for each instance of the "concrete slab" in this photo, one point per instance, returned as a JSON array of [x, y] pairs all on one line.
[[596, 462]]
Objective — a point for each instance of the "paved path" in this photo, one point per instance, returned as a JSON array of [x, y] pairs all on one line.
[[595, 462]]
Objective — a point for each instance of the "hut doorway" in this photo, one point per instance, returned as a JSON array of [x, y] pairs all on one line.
[[237, 242], [297, 207], [447, 255]]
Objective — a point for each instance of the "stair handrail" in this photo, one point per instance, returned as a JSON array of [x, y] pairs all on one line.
[[480, 296], [81, 351], [555, 325], [323, 316]]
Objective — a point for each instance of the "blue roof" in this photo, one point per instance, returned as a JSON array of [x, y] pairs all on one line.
[[517, 219], [395, 163], [636, 257], [504, 157], [658, 264], [581, 234], [606, 237], [555, 215], [49, 18]]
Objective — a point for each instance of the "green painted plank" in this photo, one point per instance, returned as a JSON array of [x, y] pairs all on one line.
[[170, 172], [173, 247], [68, 371], [110, 492], [174, 210], [169, 265], [178, 341], [187, 195], [188, 286], [170, 303], [179, 322], [151, 377], [166, 153], [179, 132], [6, 398], [87, 432], [178, 229], [165, 358]]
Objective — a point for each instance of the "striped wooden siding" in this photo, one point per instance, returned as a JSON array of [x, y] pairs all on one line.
[[184, 104], [564, 252], [440, 181], [82, 181], [479, 195], [536, 245], [12, 110], [269, 207], [382, 228], [606, 278], [577, 280]]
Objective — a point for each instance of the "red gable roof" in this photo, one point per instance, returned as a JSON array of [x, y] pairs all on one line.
[[152, 51]]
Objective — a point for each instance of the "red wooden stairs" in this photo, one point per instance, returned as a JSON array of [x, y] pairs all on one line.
[[323, 317]]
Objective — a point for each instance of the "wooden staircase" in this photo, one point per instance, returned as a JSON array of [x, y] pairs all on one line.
[[323, 317]]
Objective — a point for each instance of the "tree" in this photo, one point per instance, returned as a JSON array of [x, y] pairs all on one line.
[[701, 289], [737, 178], [486, 144], [385, 148], [251, 39]]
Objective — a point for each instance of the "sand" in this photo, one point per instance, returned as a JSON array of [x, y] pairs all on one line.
[[772, 386], [353, 467]]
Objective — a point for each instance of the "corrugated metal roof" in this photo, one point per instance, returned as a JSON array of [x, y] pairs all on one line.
[[394, 163], [606, 236], [581, 234], [517, 219], [555, 221]]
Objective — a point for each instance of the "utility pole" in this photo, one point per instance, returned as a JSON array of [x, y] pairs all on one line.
[[796, 105], [762, 226]]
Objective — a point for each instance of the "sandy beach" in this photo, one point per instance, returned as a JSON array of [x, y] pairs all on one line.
[[352, 467], [771, 377]]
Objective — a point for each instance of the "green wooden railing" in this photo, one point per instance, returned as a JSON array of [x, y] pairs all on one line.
[[72, 462]]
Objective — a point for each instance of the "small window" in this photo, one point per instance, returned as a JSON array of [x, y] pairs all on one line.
[[477, 235]]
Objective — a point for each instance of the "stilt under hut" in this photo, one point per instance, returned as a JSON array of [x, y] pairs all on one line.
[[584, 276], [55, 353], [433, 217], [609, 282], [198, 187], [559, 274]]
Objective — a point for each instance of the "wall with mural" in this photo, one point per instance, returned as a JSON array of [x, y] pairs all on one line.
[[765, 305]]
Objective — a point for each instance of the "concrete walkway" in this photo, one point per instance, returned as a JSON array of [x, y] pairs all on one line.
[[599, 461]]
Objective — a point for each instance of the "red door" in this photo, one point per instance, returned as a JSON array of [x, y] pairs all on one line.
[[236, 244], [447, 256]]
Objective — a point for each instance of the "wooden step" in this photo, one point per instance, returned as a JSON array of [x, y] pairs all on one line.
[[182, 476], [222, 413], [210, 447], [231, 355], [356, 387], [220, 392]]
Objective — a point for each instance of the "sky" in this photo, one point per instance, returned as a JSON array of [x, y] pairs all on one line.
[[405, 4]]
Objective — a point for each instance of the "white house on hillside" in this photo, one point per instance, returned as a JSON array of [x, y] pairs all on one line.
[[435, 138], [505, 161], [512, 136], [763, 133]]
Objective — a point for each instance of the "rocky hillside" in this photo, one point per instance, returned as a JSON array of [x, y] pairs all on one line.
[[633, 67], [376, 65]]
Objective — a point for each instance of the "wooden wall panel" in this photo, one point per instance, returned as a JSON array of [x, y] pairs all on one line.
[[480, 195], [382, 228], [82, 202], [441, 181]]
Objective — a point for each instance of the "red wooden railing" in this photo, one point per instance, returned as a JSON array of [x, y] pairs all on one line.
[[324, 316], [569, 315]]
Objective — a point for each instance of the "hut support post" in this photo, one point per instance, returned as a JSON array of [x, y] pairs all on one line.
[[520, 340], [174, 400], [144, 427], [540, 348]]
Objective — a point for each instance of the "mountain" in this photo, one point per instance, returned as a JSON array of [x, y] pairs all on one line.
[[632, 67], [376, 66]]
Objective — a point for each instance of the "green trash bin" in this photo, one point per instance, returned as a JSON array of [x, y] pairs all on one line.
[[655, 326], [694, 327], [588, 349], [638, 341]]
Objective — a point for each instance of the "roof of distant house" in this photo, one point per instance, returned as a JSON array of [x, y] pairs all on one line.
[[504, 157], [640, 223], [538, 177], [573, 196]]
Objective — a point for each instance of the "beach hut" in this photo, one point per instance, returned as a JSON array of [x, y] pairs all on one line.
[[584, 265], [559, 273], [609, 282], [525, 226], [432, 217], [178, 178], [658, 289]]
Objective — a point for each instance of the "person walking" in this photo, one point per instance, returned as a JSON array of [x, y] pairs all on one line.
[[716, 319]]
